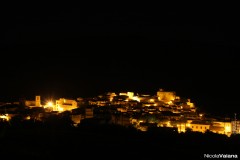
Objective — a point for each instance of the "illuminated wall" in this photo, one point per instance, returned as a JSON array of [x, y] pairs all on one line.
[[144, 98], [33, 103], [166, 96], [65, 104], [190, 104], [129, 94], [30, 103], [4, 117], [111, 95], [199, 127], [228, 128], [181, 127], [235, 127], [222, 128], [38, 101]]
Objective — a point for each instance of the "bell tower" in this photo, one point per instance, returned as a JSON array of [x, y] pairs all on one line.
[[38, 101]]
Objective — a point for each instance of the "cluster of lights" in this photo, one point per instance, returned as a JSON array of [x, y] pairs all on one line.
[[50, 104], [5, 117]]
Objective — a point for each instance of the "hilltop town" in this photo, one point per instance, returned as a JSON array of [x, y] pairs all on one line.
[[142, 111]]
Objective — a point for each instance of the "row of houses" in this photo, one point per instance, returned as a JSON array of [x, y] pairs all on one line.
[[163, 101], [221, 127], [169, 111]]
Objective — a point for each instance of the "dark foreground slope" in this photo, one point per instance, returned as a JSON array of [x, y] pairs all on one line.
[[110, 142]]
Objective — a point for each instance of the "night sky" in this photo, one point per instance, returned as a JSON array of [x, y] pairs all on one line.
[[82, 51]]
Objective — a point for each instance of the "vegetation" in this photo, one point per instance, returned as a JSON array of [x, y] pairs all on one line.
[[55, 137]]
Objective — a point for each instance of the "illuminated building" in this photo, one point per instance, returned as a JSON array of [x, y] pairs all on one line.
[[181, 127], [130, 95], [50, 106], [235, 127], [65, 105], [198, 126], [37, 101], [33, 103], [4, 117], [166, 96], [221, 127], [111, 95]]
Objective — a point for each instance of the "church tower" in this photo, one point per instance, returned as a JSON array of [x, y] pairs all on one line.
[[38, 101]]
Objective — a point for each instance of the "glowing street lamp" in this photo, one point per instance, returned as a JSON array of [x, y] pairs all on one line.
[[50, 104]]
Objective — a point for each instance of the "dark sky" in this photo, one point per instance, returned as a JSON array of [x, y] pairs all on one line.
[[68, 50]]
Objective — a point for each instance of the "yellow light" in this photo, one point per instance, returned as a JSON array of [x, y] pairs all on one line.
[[60, 109], [151, 100], [136, 98], [227, 129], [168, 124], [170, 102], [50, 104], [6, 117], [28, 117]]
